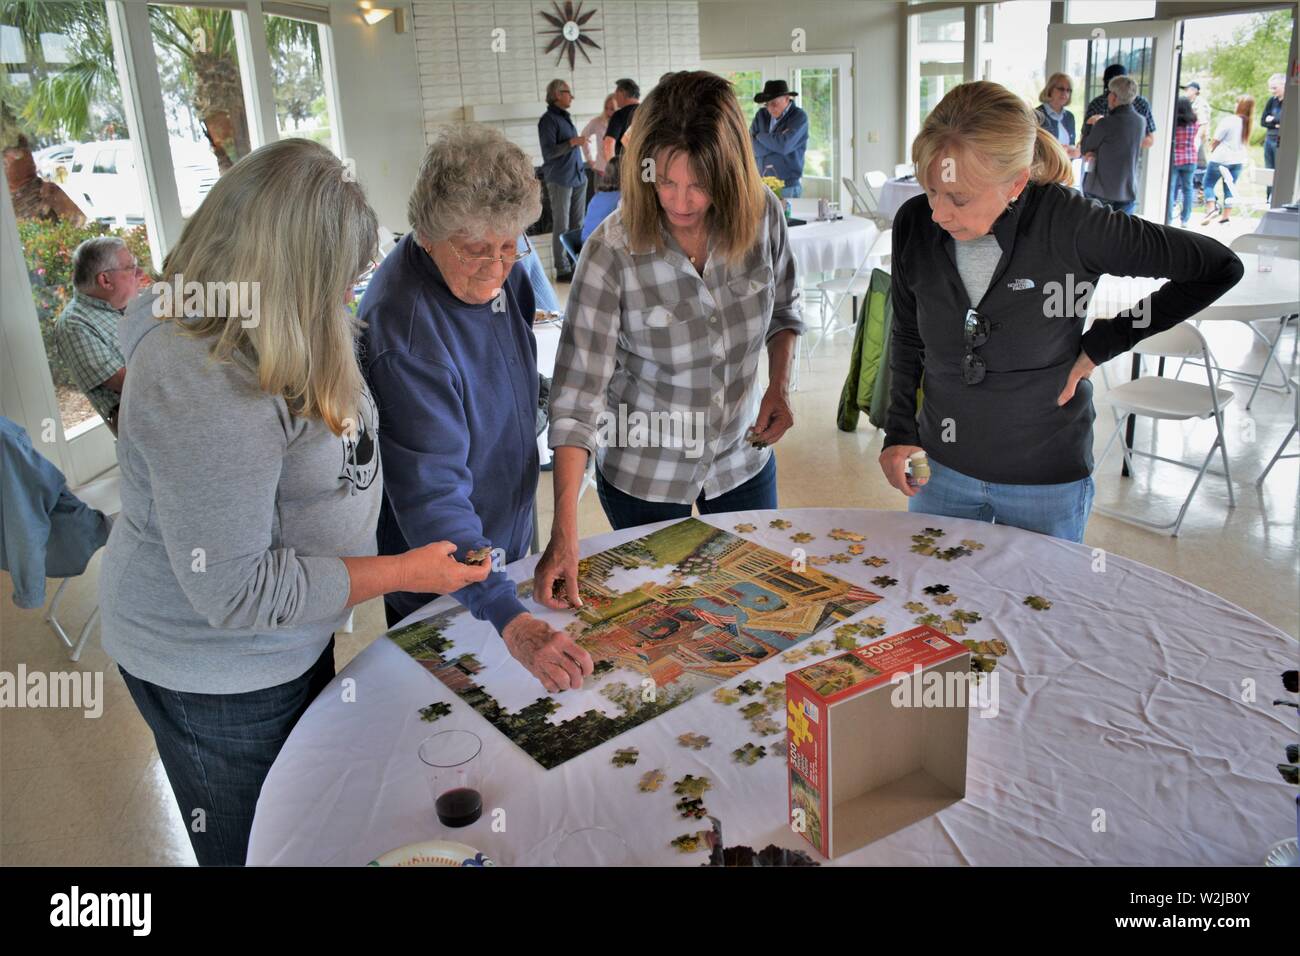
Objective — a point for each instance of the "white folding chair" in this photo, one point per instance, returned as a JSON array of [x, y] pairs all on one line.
[[1168, 399], [102, 494], [875, 181], [859, 201], [1295, 427], [852, 288]]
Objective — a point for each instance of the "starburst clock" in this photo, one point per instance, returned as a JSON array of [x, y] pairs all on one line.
[[569, 26]]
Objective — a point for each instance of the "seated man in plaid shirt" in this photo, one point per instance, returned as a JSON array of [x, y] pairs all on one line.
[[106, 278]]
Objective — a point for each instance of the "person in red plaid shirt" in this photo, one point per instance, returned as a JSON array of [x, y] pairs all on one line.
[[1180, 182]]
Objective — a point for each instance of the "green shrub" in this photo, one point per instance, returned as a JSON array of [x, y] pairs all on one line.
[[48, 247]]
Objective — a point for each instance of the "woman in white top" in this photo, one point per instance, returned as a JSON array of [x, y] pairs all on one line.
[[594, 132], [1227, 152]]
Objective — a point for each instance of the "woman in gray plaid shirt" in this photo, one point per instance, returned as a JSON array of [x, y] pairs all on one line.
[[674, 297]]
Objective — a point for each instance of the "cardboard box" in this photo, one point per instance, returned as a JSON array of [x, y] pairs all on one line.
[[870, 754]]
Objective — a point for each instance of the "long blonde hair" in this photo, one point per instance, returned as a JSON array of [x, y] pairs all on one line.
[[994, 132], [291, 218], [695, 113]]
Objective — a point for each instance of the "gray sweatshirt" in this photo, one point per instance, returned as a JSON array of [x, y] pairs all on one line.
[[222, 573]]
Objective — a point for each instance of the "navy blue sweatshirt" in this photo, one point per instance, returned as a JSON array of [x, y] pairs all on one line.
[[456, 385], [1008, 428]]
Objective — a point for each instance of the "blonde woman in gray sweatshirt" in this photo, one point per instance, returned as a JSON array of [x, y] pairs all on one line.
[[251, 482]]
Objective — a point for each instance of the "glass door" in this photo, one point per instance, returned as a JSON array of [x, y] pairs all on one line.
[[1147, 50]]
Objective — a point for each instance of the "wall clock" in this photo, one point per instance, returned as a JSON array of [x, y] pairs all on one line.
[[570, 37]]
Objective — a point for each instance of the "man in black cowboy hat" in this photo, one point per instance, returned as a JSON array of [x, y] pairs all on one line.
[[780, 136]]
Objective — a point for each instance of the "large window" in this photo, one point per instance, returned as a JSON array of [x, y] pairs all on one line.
[[301, 106], [940, 42], [1104, 11], [70, 164]]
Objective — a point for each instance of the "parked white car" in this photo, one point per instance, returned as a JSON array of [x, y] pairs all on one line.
[[52, 162], [102, 179]]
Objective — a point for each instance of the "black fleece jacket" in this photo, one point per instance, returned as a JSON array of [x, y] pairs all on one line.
[[1055, 244]]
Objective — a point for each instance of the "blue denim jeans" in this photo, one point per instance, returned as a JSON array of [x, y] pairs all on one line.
[[218, 748], [1213, 172], [1057, 510], [1180, 184], [1271, 142], [625, 511]]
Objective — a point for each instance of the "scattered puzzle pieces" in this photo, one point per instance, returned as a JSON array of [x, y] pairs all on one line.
[[952, 554], [1038, 603], [651, 781], [840, 558], [966, 617], [625, 757], [932, 619], [817, 560], [884, 581], [794, 655], [839, 534], [857, 549], [694, 741], [936, 589], [817, 648], [846, 641], [726, 695], [952, 628], [775, 693], [749, 687], [435, 710], [945, 599], [745, 528], [932, 532], [973, 545], [690, 786], [780, 524], [800, 537], [749, 754], [876, 561], [765, 726], [916, 607], [754, 709]]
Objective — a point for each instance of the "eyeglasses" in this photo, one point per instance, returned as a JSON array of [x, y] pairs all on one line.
[[133, 267], [481, 261], [975, 334], [1062, 89]]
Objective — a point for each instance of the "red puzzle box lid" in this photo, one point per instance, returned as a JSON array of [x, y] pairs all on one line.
[[875, 663]]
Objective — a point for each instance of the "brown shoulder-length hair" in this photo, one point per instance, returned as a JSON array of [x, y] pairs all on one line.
[[695, 113], [1246, 110], [994, 132]]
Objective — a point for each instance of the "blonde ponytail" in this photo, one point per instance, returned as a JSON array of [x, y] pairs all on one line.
[[1051, 164]]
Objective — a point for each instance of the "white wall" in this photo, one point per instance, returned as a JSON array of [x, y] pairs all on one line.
[[379, 97], [872, 30]]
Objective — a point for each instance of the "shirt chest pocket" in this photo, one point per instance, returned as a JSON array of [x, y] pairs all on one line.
[[751, 298], [662, 332]]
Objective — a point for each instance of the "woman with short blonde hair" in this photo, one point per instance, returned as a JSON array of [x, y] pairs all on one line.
[[675, 297], [250, 482], [1052, 114], [991, 268]]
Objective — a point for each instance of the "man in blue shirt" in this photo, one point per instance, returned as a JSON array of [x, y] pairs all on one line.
[[780, 136], [563, 171]]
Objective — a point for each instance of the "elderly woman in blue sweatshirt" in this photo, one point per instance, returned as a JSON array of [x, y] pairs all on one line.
[[449, 355]]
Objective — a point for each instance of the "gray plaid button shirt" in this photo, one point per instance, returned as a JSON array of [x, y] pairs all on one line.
[[85, 335], [645, 333]]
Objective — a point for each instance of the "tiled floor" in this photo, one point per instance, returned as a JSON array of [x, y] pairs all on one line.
[[91, 791]]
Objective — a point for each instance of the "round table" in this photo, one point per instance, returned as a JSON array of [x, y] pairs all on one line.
[[1123, 705], [895, 192], [827, 246]]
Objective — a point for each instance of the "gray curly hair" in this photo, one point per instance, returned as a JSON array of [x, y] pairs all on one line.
[[473, 181]]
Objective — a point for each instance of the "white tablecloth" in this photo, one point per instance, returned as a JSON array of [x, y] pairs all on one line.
[[837, 244], [1125, 697], [1259, 295], [894, 193]]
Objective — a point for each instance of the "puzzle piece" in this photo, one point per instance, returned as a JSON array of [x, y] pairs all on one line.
[[945, 599], [765, 726], [690, 786], [876, 561], [435, 710], [800, 537], [753, 709], [817, 560], [651, 781], [749, 754], [973, 545], [1038, 603], [932, 619], [952, 554], [477, 556], [775, 693], [936, 589], [780, 524], [932, 532], [625, 757], [952, 628], [884, 581], [846, 641], [916, 607], [923, 548], [726, 695], [744, 528], [691, 809], [694, 741], [691, 842], [840, 534], [857, 549], [795, 655], [817, 648], [873, 626], [840, 558], [966, 617], [749, 687]]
